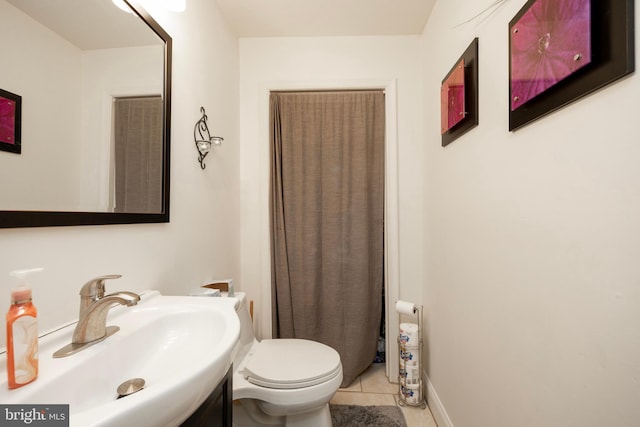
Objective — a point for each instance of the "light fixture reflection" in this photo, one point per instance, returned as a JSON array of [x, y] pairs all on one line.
[[122, 5]]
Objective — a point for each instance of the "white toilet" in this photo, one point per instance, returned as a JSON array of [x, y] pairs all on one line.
[[282, 382]]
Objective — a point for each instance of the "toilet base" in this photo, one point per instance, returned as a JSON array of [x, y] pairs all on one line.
[[319, 418], [247, 414]]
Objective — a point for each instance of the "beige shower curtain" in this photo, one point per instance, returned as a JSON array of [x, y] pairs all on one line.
[[327, 211], [138, 154]]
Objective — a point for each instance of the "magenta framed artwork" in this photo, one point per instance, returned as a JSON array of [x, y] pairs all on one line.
[[459, 96], [452, 98], [10, 122], [562, 50]]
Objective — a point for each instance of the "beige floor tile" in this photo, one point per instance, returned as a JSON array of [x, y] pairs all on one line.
[[374, 380], [373, 388], [362, 399], [415, 416], [355, 386]]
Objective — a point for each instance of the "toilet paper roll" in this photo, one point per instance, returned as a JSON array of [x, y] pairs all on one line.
[[411, 393], [410, 375], [409, 335], [405, 307], [403, 373], [410, 357]]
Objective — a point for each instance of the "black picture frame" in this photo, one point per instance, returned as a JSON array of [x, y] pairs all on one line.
[[612, 57], [471, 117], [14, 146]]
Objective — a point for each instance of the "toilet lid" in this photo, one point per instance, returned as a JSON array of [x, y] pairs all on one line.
[[291, 363]]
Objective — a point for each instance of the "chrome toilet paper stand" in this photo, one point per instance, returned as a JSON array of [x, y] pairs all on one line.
[[402, 379]]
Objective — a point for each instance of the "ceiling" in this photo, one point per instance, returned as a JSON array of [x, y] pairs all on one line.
[[89, 24], [290, 18], [105, 26]]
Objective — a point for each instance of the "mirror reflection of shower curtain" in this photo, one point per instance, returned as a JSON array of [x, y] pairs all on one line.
[[138, 154], [327, 211]]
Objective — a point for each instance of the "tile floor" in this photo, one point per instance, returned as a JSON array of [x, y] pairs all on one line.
[[373, 388]]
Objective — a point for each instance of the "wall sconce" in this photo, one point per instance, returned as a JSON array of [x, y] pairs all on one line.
[[203, 138]]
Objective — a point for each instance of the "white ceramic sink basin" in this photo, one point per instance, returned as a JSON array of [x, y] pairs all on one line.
[[181, 346]]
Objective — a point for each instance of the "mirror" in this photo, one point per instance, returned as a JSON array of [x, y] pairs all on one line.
[[95, 88]]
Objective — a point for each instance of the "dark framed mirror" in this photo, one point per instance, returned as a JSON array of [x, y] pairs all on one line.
[[95, 88]]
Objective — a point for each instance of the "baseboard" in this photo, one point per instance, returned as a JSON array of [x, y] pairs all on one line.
[[435, 405]]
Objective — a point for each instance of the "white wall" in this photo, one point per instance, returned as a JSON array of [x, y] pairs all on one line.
[[202, 240], [33, 57], [532, 247], [320, 63], [108, 74]]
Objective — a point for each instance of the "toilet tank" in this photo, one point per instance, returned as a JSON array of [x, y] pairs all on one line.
[[247, 336]]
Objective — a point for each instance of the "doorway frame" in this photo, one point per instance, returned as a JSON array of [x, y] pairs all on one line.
[[263, 324]]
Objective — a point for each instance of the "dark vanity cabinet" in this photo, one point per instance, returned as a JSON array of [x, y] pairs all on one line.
[[217, 409]]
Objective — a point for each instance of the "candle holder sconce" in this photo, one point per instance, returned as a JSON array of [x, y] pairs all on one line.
[[203, 139]]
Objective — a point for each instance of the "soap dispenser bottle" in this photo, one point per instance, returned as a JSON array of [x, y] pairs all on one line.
[[22, 333]]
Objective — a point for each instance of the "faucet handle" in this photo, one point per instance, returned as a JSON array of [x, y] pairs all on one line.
[[95, 288]]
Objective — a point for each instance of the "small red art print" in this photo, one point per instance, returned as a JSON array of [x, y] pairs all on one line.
[[550, 42], [7, 120], [452, 107]]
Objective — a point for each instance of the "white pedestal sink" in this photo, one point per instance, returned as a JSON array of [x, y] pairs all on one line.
[[181, 346]]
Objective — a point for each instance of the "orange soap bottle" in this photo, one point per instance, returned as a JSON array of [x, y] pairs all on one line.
[[22, 334]]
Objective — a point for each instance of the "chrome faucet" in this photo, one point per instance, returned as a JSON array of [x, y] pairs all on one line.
[[94, 307]]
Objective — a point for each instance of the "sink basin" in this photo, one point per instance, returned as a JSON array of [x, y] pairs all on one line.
[[181, 346]]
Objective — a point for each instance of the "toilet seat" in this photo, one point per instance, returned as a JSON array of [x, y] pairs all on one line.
[[291, 363]]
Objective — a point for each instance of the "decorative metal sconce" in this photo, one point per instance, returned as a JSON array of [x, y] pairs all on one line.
[[203, 138]]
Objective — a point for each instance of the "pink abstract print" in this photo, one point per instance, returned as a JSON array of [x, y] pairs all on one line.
[[7, 120], [452, 107], [551, 41]]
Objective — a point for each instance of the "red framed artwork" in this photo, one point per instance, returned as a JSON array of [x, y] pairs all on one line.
[[459, 96], [562, 50], [10, 122], [452, 98]]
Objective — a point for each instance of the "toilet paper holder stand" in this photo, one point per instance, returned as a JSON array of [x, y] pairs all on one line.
[[404, 390]]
